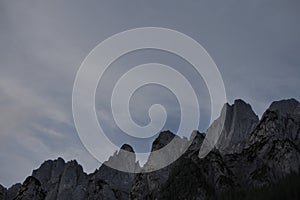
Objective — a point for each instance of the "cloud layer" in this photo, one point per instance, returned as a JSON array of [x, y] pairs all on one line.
[[255, 44]]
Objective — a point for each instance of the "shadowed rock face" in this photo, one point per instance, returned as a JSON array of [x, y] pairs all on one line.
[[62, 180], [272, 151], [285, 107], [151, 185], [118, 184], [269, 151], [10, 193], [58, 179], [239, 120], [127, 147], [163, 139], [3, 192], [249, 154], [231, 130], [31, 190]]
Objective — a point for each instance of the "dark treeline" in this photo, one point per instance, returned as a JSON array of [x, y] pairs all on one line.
[[287, 188]]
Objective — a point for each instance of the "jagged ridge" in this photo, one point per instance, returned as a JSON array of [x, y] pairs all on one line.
[[249, 154]]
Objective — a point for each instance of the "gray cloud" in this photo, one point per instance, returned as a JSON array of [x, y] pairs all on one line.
[[255, 44]]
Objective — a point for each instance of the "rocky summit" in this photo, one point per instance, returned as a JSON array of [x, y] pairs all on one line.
[[250, 156]]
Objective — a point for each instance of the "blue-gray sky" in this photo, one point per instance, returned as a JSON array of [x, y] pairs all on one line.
[[255, 44]]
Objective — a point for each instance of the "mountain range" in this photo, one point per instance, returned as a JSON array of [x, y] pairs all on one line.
[[251, 154]]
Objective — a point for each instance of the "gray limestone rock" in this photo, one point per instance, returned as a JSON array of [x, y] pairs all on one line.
[[249, 154], [3, 192], [116, 184], [31, 190], [62, 180], [284, 107], [11, 192], [230, 132]]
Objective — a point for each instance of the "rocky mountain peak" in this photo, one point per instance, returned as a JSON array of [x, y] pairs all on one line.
[[116, 184], [61, 179], [271, 152], [242, 107], [124, 157], [163, 139], [31, 190], [279, 122], [234, 126], [127, 147], [284, 107], [197, 139]]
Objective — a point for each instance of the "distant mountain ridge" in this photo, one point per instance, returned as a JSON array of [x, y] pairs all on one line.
[[250, 153]]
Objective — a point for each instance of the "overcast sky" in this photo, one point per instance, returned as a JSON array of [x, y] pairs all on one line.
[[255, 44]]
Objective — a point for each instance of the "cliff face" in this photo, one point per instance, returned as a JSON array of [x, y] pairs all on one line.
[[257, 154], [10, 193], [239, 121], [250, 153]]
